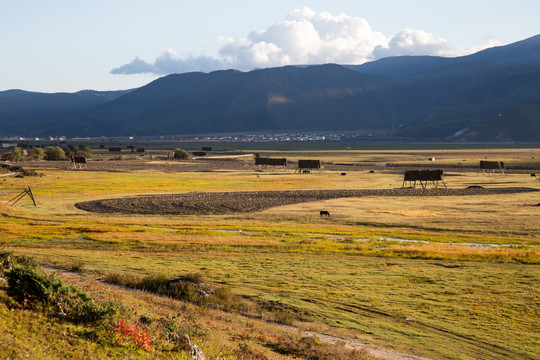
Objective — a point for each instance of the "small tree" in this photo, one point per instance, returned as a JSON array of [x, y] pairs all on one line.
[[54, 153], [181, 154], [79, 151], [37, 154], [86, 151], [13, 156]]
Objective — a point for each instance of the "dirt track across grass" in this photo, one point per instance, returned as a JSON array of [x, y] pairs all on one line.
[[252, 201]]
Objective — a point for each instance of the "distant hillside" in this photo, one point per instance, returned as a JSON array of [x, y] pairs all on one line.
[[526, 52], [506, 109], [24, 113], [491, 95], [320, 97]]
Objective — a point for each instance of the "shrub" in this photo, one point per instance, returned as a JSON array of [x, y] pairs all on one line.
[[37, 154], [54, 153], [187, 288], [181, 154], [79, 151], [13, 156], [313, 349], [34, 289], [139, 338]]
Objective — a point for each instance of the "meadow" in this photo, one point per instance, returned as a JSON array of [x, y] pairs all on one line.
[[441, 277]]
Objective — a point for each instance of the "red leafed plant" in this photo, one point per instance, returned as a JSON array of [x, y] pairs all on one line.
[[140, 338]]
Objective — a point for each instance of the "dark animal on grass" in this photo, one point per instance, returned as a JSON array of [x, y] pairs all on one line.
[[324, 213], [533, 175], [371, 171], [343, 174], [306, 172]]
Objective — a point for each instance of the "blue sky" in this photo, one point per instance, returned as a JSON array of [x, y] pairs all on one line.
[[61, 45]]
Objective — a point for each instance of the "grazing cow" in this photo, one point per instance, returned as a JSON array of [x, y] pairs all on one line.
[[343, 174], [533, 175], [325, 213]]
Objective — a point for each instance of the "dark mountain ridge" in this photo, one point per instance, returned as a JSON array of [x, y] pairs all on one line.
[[417, 96], [526, 52]]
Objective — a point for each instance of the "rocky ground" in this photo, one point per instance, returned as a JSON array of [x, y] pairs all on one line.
[[253, 201]]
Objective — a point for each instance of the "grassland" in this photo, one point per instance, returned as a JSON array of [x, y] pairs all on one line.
[[442, 277]]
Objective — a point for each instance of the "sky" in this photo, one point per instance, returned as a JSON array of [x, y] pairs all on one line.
[[67, 46]]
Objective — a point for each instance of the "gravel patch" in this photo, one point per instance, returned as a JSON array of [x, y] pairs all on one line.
[[253, 201]]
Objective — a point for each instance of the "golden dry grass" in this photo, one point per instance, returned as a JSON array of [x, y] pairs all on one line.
[[464, 267]]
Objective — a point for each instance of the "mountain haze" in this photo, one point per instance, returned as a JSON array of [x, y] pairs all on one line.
[[491, 95]]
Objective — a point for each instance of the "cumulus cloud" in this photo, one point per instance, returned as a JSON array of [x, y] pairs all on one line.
[[418, 42], [304, 37], [169, 63]]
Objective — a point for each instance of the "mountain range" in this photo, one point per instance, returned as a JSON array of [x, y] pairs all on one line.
[[492, 95]]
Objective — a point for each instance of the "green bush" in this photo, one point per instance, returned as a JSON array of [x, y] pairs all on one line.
[[79, 151], [54, 153], [313, 349], [188, 288], [13, 156], [37, 154], [181, 154], [31, 288]]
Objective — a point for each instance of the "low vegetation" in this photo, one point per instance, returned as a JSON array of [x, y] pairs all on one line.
[[181, 154], [189, 287], [12, 156], [449, 277], [54, 153], [29, 287]]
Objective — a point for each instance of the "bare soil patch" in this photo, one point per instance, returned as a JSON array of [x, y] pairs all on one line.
[[252, 201]]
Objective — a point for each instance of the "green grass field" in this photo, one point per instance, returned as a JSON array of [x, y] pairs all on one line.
[[443, 277]]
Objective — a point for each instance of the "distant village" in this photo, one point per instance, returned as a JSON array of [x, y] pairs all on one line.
[[281, 137]]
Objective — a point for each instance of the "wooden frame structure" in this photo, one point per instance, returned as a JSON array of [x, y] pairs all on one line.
[[262, 161], [309, 165], [28, 192], [492, 166], [78, 162], [423, 177]]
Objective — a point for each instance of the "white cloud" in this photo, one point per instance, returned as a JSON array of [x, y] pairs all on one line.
[[305, 37], [136, 66], [169, 63], [415, 42]]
